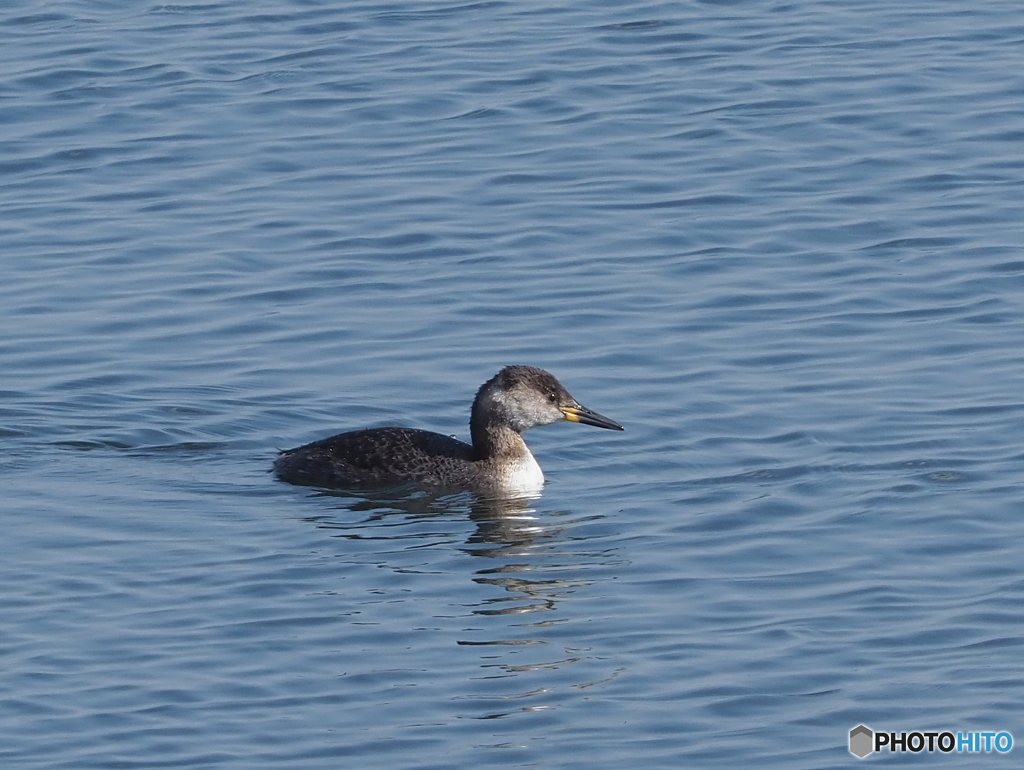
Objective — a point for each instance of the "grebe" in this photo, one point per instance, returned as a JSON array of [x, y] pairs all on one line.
[[516, 399]]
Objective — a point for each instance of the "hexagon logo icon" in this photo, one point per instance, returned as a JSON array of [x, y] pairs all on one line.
[[861, 741]]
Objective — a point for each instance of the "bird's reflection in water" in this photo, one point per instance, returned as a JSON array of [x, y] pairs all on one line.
[[502, 524], [509, 533], [515, 615]]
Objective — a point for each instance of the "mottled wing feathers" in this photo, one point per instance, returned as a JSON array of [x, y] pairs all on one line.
[[378, 456]]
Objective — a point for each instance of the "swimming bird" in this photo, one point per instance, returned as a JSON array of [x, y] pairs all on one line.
[[498, 461]]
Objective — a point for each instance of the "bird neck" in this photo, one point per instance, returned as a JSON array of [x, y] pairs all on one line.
[[495, 440]]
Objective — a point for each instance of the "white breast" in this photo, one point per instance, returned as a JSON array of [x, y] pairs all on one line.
[[524, 476]]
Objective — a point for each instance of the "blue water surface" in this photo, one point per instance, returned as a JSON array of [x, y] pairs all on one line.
[[779, 242]]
